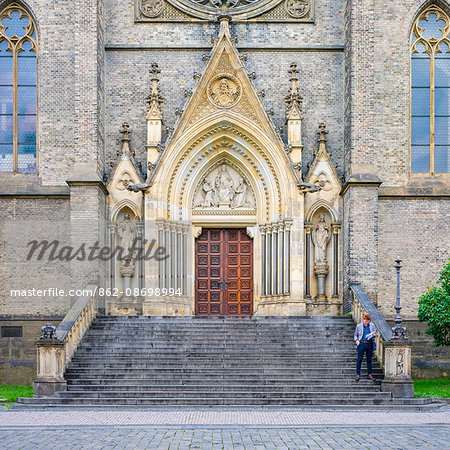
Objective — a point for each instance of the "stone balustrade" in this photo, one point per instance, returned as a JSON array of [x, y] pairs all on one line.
[[55, 352], [393, 354]]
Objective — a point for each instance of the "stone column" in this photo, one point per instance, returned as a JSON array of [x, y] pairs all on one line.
[[51, 358], [308, 229], [112, 261], [397, 369], [335, 228], [263, 260]]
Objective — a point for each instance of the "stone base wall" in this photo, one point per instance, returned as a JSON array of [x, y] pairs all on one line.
[[418, 232], [18, 354], [427, 361]]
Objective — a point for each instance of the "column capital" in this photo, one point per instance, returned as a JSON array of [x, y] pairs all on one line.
[[335, 227]]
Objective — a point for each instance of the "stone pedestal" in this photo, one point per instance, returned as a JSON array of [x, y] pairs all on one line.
[[51, 356], [321, 270], [397, 369]]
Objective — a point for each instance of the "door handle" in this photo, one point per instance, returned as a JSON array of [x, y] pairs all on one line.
[[221, 285]]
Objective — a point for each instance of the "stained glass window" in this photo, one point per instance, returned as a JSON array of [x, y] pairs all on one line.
[[430, 92], [18, 94]]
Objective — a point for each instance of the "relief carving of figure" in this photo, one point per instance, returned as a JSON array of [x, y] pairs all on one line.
[[321, 236], [224, 185], [210, 197], [224, 91], [297, 8], [222, 190], [240, 196], [152, 8]]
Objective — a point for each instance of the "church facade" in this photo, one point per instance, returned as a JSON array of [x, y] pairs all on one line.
[[193, 157]]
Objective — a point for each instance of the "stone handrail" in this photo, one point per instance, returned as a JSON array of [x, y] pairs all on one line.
[[361, 304], [393, 354], [55, 351]]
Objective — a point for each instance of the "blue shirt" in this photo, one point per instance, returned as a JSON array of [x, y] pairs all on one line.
[[366, 332]]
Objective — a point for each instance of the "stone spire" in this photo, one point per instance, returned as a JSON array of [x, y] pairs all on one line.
[[294, 101], [154, 100], [322, 132], [125, 131], [294, 119], [154, 118]]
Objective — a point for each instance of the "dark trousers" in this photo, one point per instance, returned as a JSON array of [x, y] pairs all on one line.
[[368, 350]]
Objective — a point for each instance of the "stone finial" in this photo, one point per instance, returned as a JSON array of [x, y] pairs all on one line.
[[294, 101], [125, 130], [48, 332], [155, 99], [322, 132]]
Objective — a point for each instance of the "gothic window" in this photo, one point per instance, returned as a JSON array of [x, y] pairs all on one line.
[[18, 94], [430, 88]]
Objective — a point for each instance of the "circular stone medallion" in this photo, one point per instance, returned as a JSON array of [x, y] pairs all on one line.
[[224, 90], [151, 8], [297, 8]]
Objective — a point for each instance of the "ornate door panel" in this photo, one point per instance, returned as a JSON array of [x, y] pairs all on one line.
[[224, 272]]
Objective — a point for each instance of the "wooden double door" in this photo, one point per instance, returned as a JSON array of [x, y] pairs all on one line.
[[224, 272]]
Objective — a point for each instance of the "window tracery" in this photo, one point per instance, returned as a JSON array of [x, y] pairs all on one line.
[[18, 90]]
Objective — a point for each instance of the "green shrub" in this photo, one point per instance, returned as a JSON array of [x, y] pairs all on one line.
[[434, 308]]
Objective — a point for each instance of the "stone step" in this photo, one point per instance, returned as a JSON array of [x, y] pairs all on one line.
[[154, 388], [236, 371], [126, 383], [218, 401], [224, 394]]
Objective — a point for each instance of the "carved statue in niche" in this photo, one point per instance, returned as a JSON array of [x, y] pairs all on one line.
[[225, 191], [127, 232], [320, 236]]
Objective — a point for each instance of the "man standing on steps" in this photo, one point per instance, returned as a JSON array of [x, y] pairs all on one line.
[[364, 337]]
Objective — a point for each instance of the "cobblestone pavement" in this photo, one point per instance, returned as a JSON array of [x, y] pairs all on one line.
[[314, 437], [235, 429], [213, 416]]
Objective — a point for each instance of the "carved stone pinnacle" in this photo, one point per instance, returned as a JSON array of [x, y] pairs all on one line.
[[125, 130]]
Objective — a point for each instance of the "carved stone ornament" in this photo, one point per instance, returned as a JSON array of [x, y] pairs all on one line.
[[323, 181], [224, 90], [224, 188], [298, 8], [124, 181], [151, 8]]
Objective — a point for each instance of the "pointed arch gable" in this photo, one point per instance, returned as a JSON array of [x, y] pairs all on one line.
[[260, 159]]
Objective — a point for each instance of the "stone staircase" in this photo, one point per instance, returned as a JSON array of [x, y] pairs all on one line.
[[211, 361]]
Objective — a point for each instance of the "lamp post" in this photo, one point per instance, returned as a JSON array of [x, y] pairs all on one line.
[[398, 331]]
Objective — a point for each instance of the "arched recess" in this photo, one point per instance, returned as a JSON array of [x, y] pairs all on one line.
[[328, 271], [262, 158], [322, 204], [124, 204]]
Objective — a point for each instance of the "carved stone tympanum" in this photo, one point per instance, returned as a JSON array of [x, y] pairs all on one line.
[[224, 188]]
